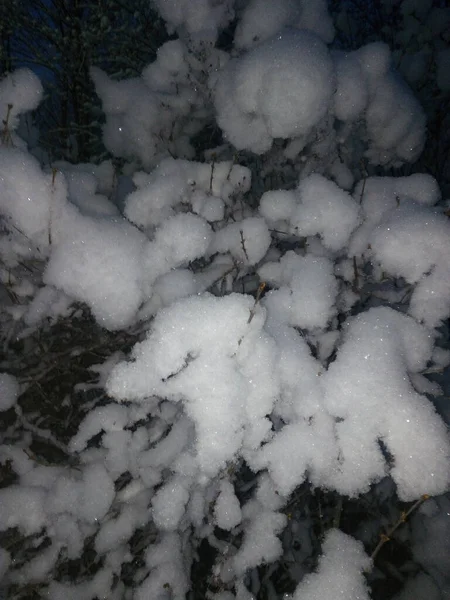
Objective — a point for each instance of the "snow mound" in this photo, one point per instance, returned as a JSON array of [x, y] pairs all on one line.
[[280, 89]]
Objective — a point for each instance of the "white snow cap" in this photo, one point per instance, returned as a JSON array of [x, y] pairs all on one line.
[[368, 392], [247, 241], [408, 238], [201, 19], [368, 87], [203, 352], [145, 115], [318, 206], [84, 185], [23, 91], [179, 239], [98, 262], [132, 116], [261, 542], [227, 509], [174, 183], [340, 571], [29, 200], [262, 19], [311, 287], [281, 88]]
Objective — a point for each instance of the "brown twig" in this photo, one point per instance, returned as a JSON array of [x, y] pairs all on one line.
[[259, 291], [6, 133], [213, 164], [243, 244], [386, 537]]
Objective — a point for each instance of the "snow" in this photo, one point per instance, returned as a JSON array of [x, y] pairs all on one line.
[[124, 131], [176, 182], [37, 569], [281, 88], [49, 303], [22, 91], [409, 238], [325, 209], [170, 66], [247, 241], [22, 507], [268, 338], [179, 240], [98, 493], [315, 17], [168, 288], [5, 562], [201, 20], [97, 262], [115, 532], [430, 539], [152, 116], [65, 531], [339, 572], [268, 92], [317, 206], [352, 94], [152, 202], [199, 340], [168, 504], [227, 509], [277, 205], [261, 543], [26, 197], [9, 391], [367, 391], [111, 417], [368, 87], [381, 195], [87, 590], [170, 447], [418, 232], [308, 284], [82, 192], [294, 452], [88, 498], [166, 563], [262, 19], [402, 132]]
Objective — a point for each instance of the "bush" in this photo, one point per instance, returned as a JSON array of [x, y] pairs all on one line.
[[221, 348]]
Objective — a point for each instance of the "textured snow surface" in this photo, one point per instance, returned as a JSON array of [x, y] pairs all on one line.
[[230, 373], [262, 19], [193, 343], [98, 262], [231, 401], [281, 88], [21, 91], [339, 573], [201, 19]]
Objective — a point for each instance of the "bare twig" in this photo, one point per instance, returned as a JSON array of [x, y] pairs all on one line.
[[386, 537], [257, 299], [213, 164], [6, 133], [243, 245], [355, 275]]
